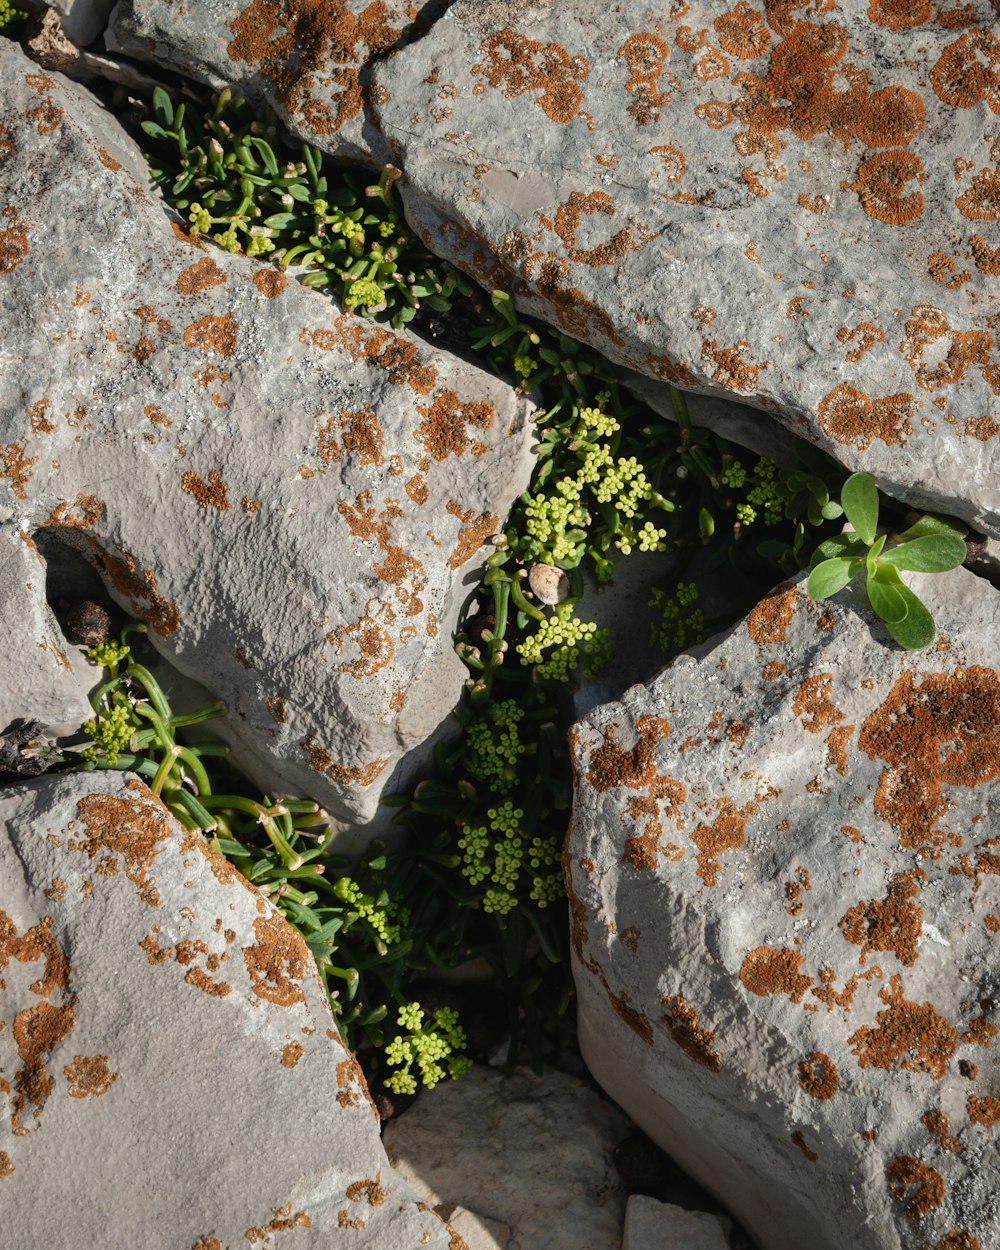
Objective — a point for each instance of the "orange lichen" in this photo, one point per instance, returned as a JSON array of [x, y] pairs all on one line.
[[291, 1054], [131, 828], [200, 276], [210, 494], [900, 14], [444, 430], [726, 833], [813, 705], [742, 32], [202, 981], [938, 1125], [517, 64], [277, 961], [916, 1185], [611, 765], [769, 620], [968, 71], [270, 282], [906, 1034], [693, 1039], [89, 1076], [282, 1220], [567, 225], [983, 1110], [730, 366], [769, 970], [475, 531], [140, 590], [213, 334], [894, 923], [853, 418], [818, 1075], [369, 1191], [15, 466], [352, 434], [867, 334], [943, 731], [981, 201], [645, 55]]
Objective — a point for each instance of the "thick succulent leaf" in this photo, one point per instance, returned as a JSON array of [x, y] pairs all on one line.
[[933, 524], [859, 499], [840, 545], [884, 594], [830, 576], [916, 630], [935, 553]]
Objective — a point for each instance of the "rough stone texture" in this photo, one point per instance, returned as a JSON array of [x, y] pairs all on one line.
[[532, 1153], [784, 883], [170, 1074], [81, 20], [41, 678], [795, 202], [311, 62], [294, 499], [652, 1225]]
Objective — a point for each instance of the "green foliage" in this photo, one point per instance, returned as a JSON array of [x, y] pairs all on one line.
[[9, 17], [425, 1045], [933, 545], [237, 181]]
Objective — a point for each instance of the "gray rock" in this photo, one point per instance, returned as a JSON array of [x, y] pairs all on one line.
[[42, 678], [784, 885], [791, 204], [311, 63], [652, 1225], [171, 1076], [530, 1153], [293, 498]]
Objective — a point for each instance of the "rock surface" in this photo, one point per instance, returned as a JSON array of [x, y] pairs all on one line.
[[294, 499], [792, 202], [310, 62], [41, 678], [652, 1225], [785, 891], [170, 1073], [530, 1153]]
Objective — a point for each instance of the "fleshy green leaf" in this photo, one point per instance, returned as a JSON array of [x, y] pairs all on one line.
[[934, 553], [840, 545], [163, 106], [859, 499], [933, 524], [916, 630], [830, 576], [884, 587]]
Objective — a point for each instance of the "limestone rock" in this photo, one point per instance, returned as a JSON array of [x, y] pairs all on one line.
[[784, 884], [41, 678], [171, 1076], [792, 203], [532, 1153], [652, 1225], [294, 498], [310, 62]]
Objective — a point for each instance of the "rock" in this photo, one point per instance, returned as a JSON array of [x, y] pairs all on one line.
[[81, 20], [652, 1225], [793, 204], [42, 678], [172, 1076], [784, 888], [311, 63], [293, 498], [532, 1153]]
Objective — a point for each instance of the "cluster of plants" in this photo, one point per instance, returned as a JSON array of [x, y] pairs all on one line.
[[10, 18], [480, 875]]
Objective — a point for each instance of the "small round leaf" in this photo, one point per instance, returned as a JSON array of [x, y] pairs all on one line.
[[885, 597], [859, 499], [830, 576]]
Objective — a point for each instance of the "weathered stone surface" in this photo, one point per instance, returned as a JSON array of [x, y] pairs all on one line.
[[532, 1153], [785, 895], [41, 679], [652, 1225], [170, 1074], [293, 498], [792, 202], [310, 62]]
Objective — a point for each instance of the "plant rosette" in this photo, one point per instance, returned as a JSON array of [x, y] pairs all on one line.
[[932, 545]]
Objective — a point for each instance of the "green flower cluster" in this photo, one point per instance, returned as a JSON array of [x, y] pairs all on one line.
[[230, 175], [565, 637], [9, 15], [493, 745], [111, 730], [501, 852], [682, 624], [377, 915], [427, 1046]]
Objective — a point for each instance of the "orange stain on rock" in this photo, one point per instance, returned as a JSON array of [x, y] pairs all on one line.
[[516, 64], [769, 620], [213, 334], [726, 833], [200, 276], [210, 494], [89, 1076], [906, 1034], [853, 418], [693, 1039], [768, 970]]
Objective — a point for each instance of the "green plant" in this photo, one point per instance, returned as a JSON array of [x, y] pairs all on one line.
[[932, 545], [235, 179]]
